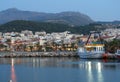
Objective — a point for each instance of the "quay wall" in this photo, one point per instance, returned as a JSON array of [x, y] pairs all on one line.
[[38, 54], [48, 54]]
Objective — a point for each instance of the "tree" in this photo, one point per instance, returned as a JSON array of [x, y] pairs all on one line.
[[112, 46]]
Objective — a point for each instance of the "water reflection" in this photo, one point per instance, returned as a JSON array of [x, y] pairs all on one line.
[[93, 69], [74, 69], [100, 75], [13, 75], [63, 62], [42, 62], [90, 75]]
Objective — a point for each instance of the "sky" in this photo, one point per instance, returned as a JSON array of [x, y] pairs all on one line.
[[98, 10]]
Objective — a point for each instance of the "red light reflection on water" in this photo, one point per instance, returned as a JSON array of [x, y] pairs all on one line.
[[13, 76]]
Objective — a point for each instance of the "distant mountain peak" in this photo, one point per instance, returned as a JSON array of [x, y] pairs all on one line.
[[12, 9], [67, 17]]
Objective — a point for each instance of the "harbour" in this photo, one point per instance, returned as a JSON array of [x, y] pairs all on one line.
[[51, 69], [59, 41]]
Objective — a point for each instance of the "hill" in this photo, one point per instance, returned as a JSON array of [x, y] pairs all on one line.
[[71, 18], [111, 23], [20, 25]]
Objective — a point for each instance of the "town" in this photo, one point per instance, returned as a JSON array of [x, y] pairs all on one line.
[[46, 42]]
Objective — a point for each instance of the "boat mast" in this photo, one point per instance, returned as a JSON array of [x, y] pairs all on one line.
[[93, 32]]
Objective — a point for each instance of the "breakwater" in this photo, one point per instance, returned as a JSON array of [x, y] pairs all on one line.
[[48, 54], [38, 54]]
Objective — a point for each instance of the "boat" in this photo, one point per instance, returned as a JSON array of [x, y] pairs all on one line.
[[92, 48], [118, 53]]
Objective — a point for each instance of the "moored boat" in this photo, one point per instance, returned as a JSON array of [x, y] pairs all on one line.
[[118, 53], [92, 49]]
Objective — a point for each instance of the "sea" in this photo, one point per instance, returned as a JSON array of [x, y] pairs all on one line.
[[59, 69]]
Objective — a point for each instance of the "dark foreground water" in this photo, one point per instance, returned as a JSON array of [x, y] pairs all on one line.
[[58, 70]]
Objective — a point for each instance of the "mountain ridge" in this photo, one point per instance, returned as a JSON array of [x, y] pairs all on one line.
[[66, 17]]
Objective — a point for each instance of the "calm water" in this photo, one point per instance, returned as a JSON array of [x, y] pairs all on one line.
[[58, 70]]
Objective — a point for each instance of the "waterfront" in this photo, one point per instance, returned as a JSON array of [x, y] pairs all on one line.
[[58, 69]]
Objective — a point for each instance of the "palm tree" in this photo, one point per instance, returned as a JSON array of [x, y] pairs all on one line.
[[31, 48], [9, 43]]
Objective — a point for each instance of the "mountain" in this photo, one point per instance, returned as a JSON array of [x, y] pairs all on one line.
[[112, 22], [71, 18]]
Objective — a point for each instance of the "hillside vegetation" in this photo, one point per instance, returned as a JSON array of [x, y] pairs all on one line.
[[19, 25]]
